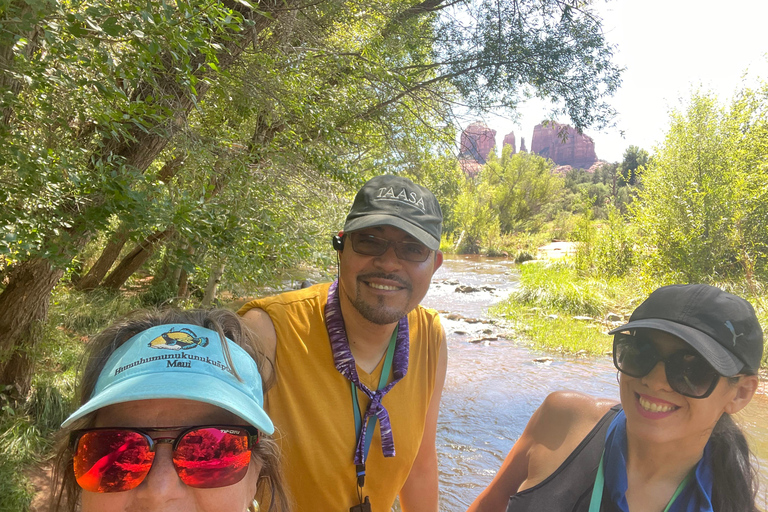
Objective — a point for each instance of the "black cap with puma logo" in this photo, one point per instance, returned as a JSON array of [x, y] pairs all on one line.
[[720, 326]]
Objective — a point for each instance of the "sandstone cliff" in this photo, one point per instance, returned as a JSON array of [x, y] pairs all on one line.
[[477, 142], [563, 145], [509, 139], [470, 167]]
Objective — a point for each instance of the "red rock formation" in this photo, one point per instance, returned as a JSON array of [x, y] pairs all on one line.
[[523, 149], [563, 145], [477, 142], [597, 165], [470, 167], [509, 140]]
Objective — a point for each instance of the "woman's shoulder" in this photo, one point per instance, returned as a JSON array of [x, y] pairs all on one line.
[[557, 428], [563, 410]]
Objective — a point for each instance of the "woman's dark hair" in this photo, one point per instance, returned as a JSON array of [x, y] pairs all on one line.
[[271, 488], [735, 484]]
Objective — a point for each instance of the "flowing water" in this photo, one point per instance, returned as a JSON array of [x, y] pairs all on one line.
[[494, 385]]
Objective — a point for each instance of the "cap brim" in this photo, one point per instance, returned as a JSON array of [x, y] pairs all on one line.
[[722, 360], [370, 221], [156, 385]]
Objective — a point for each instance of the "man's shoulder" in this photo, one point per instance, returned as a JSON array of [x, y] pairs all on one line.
[[424, 312], [426, 317], [311, 297]]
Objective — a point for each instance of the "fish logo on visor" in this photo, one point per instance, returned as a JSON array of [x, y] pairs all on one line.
[[183, 339]]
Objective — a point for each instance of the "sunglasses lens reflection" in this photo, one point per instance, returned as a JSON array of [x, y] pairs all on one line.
[[634, 356], [212, 457], [370, 245], [690, 375], [112, 460]]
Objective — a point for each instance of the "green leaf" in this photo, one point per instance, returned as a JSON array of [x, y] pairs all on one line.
[[77, 29], [111, 27]]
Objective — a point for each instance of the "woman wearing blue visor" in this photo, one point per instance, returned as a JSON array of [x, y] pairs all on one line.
[[171, 418], [687, 360]]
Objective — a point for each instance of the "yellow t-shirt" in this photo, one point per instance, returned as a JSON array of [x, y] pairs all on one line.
[[311, 406]]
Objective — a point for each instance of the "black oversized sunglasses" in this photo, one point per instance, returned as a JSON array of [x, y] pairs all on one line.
[[688, 373], [370, 245]]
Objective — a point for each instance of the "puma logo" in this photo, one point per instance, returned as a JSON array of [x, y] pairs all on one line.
[[729, 325]]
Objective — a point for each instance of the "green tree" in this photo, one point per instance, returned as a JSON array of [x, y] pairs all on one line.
[[525, 193], [635, 159], [698, 210], [749, 111], [99, 91], [475, 218], [443, 176], [101, 100]]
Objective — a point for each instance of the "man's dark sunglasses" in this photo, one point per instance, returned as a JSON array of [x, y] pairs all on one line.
[[370, 245], [688, 373]]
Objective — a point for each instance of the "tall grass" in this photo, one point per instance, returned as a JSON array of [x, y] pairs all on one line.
[[556, 332], [556, 285], [551, 294], [89, 312], [27, 424]]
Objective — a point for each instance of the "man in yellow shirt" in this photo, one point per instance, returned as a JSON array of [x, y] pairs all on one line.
[[359, 365]]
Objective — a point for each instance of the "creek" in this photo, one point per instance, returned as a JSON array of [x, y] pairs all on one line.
[[494, 384]]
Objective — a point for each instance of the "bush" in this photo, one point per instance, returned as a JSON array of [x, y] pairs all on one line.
[[557, 286], [563, 226], [697, 211], [613, 250]]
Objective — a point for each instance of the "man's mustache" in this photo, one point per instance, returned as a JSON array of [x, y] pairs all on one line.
[[384, 275]]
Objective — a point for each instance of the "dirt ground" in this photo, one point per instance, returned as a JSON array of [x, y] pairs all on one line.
[[41, 479]]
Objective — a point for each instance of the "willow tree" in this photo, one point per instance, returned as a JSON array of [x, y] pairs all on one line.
[[97, 96], [701, 209], [97, 90]]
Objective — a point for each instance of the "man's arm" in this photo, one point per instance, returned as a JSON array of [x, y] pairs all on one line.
[[420, 491], [258, 321]]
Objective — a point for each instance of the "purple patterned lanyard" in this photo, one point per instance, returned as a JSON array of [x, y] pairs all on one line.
[[345, 364]]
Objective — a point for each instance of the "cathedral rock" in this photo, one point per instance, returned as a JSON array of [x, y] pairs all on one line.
[[509, 140], [563, 145], [477, 142]]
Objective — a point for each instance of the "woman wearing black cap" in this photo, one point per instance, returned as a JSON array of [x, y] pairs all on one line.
[[671, 445]]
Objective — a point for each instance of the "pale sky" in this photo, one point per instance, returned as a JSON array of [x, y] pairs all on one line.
[[669, 48]]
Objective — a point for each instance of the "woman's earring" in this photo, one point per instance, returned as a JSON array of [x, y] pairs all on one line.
[[254, 506]]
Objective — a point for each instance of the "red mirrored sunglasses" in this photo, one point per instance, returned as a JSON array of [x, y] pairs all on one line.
[[118, 459]]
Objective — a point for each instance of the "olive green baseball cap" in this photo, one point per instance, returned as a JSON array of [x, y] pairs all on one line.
[[389, 200]]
